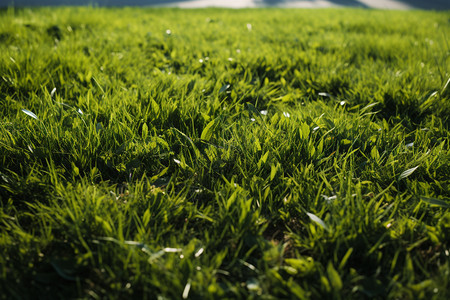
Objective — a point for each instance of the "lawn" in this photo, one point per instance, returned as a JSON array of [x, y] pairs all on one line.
[[206, 154]]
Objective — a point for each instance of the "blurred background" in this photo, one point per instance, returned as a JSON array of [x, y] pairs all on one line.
[[380, 4]]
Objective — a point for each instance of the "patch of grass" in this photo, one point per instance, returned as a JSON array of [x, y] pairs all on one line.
[[164, 153]]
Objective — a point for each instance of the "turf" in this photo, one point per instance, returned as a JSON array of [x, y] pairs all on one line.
[[204, 154]]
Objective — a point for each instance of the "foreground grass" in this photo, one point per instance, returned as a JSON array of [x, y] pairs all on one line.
[[219, 153]]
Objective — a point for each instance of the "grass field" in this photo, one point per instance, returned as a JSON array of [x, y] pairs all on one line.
[[205, 154]]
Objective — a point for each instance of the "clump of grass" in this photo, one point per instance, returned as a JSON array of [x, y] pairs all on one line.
[[224, 154]]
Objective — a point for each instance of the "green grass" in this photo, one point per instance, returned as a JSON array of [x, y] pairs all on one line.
[[242, 154]]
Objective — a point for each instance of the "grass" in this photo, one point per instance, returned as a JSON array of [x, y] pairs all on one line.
[[203, 154]]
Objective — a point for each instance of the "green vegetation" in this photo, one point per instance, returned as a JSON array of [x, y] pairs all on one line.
[[204, 154]]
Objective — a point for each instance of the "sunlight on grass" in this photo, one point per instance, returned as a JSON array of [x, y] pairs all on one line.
[[210, 154]]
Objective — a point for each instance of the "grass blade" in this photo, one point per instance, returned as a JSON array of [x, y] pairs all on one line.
[[334, 277], [407, 173], [318, 220], [368, 107], [30, 113], [447, 84], [186, 290], [434, 201], [208, 130], [224, 88]]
